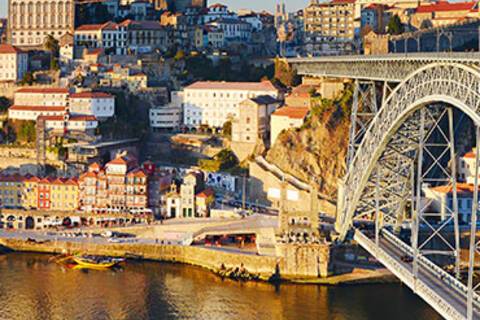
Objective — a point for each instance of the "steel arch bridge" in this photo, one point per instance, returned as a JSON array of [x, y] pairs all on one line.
[[403, 137]]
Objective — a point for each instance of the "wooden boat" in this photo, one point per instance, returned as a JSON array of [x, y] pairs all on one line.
[[96, 262]]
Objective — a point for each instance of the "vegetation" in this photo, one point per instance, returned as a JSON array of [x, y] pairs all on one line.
[[131, 118], [4, 104], [200, 67], [26, 132], [224, 160], [51, 44], [28, 79], [227, 129], [395, 26], [284, 75]]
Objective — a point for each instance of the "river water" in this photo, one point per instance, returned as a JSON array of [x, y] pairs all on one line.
[[33, 288]]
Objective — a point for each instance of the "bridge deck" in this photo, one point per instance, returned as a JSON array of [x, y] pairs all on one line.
[[391, 67], [449, 302]]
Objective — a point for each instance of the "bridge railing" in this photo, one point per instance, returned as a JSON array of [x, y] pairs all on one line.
[[436, 270], [427, 293]]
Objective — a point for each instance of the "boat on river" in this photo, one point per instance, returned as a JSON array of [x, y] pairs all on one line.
[[96, 262]]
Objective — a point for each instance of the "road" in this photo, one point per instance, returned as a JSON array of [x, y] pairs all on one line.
[[428, 277]]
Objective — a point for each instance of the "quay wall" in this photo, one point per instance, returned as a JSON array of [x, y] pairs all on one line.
[[291, 266]]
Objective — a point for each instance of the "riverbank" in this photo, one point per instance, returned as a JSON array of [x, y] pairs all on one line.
[[264, 268]]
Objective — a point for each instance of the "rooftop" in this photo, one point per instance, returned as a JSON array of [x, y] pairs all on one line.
[[43, 90], [95, 95], [240, 86], [445, 6], [292, 112], [9, 49]]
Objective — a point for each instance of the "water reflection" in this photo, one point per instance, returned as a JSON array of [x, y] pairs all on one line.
[[33, 288]]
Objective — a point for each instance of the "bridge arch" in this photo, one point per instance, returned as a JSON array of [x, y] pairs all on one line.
[[457, 85]]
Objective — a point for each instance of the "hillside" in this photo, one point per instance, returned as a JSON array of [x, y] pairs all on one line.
[[316, 152]]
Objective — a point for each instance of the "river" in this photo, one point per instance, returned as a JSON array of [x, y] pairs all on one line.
[[33, 288]]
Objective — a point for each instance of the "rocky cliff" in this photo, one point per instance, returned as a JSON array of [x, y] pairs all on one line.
[[316, 152]]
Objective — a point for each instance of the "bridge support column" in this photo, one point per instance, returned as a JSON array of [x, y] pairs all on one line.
[[473, 231], [418, 195], [453, 178]]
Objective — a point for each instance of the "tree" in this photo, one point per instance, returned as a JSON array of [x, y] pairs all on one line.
[[4, 104], [51, 44], [28, 78], [224, 160], [395, 26], [227, 129], [26, 132], [285, 75]]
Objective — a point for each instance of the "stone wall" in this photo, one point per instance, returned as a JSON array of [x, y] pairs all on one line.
[[304, 260], [297, 261]]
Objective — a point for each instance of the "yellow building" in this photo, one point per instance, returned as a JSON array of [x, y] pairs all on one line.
[[64, 195], [30, 192], [11, 187]]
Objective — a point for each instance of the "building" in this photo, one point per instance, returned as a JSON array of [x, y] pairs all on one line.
[[375, 44], [13, 63], [442, 13], [440, 200], [213, 103], [124, 76], [376, 17], [330, 27], [286, 118], [281, 15], [29, 103], [167, 117], [233, 29], [215, 12], [466, 167], [34, 193], [146, 36], [31, 21], [98, 104], [118, 186], [252, 126], [109, 36], [66, 122], [209, 37], [191, 199]]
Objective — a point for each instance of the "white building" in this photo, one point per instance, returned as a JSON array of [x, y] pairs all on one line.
[[31, 21], [286, 118], [233, 29], [51, 97], [13, 63], [440, 200], [98, 104], [29, 103], [217, 11], [466, 167], [70, 122], [213, 103], [17, 112], [169, 116], [110, 36]]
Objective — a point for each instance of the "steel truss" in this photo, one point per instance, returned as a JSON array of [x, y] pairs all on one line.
[[410, 142]]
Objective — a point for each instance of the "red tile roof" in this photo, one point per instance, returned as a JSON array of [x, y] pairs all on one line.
[[9, 49], [119, 161], [292, 112], [445, 6], [98, 27], [462, 188], [206, 193], [94, 95], [43, 90], [71, 118], [222, 85], [36, 108]]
